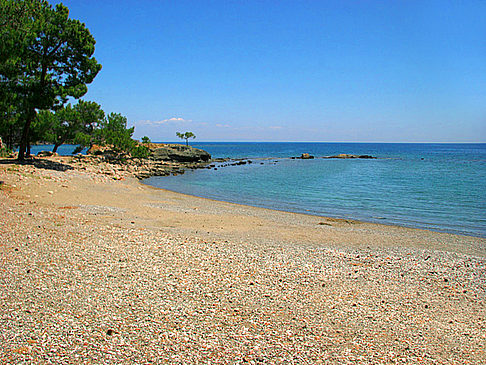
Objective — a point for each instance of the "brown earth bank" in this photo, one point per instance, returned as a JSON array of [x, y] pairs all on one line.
[[99, 268]]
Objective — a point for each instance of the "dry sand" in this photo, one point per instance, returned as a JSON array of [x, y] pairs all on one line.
[[97, 270]]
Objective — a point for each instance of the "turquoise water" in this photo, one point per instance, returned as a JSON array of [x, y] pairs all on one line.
[[434, 186], [63, 150]]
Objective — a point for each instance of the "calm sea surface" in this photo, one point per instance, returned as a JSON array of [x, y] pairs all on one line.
[[434, 186]]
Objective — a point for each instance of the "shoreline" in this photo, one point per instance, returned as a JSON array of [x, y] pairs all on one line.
[[304, 219], [109, 269]]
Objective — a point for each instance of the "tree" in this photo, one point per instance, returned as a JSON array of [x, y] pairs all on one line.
[[8, 127], [45, 58], [186, 136], [90, 115], [113, 131], [145, 139], [65, 125], [14, 35]]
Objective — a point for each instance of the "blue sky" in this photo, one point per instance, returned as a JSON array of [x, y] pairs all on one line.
[[330, 71]]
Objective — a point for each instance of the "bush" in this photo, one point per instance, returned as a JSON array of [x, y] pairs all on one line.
[[5, 152], [140, 152]]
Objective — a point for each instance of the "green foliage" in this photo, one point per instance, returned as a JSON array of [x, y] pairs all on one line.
[[186, 136], [5, 152], [9, 131], [45, 58], [140, 151], [90, 115], [68, 124], [113, 131], [145, 139], [85, 124], [82, 140]]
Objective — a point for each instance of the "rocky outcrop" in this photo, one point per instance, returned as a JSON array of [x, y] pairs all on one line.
[[304, 156], [163, 159], [179, 153], [158, 152], [345, 155], [107, 153]]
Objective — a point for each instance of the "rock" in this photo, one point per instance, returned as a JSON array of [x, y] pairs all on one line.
[[365, 156], [180, 153], [46, 154], [161, 154], [306, 156], [346, 155], [108, 153], [163, 160], [96, 150], [343, 155]]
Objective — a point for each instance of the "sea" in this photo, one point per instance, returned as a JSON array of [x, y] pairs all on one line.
[[441, 187]]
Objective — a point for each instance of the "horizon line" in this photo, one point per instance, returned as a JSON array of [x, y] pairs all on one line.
[[247, 141]]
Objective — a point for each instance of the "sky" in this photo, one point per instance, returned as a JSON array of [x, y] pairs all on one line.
[[326, 71]]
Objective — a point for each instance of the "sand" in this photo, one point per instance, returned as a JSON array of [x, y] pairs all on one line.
[[101, 268]]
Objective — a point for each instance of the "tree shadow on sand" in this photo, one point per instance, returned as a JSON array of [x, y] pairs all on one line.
[[38, 163]]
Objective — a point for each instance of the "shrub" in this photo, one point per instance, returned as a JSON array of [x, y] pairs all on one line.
[[140, 152]]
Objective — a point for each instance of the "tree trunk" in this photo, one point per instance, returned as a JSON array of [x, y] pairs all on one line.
[[24, 140], [187, 142], [27, 152], [10, 138], [56, 145]]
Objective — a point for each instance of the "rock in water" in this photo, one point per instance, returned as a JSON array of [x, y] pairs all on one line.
[[180, 153], [346, 155]]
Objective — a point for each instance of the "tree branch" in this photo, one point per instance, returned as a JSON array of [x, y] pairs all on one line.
[[55, 49]]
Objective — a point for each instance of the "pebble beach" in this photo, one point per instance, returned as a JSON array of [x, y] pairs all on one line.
[[97, 267]]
